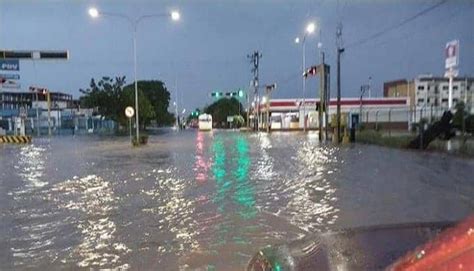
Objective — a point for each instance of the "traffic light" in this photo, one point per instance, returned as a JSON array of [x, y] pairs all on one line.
[[311, 71], [216, 94]]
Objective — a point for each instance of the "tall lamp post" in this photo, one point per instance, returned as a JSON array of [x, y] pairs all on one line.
[[174, 15], [309, 30]]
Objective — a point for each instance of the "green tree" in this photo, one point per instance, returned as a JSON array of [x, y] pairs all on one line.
[[159, 98], [463, 113], [104, 95], [110, 97], [146, 111], [223, 108]]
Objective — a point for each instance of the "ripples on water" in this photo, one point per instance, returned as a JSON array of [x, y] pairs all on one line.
[[187, 201]]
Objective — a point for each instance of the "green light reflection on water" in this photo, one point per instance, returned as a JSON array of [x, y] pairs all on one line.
[[244, 194], [232, 184]]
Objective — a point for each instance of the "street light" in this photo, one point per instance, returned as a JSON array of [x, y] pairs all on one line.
[[93, 12], [309, 30], [174, 15]]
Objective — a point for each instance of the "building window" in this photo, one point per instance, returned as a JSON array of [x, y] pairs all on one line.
[[455, 87], [421, 87], [421, 101], [455, 100], [445, 87], [444, 100]]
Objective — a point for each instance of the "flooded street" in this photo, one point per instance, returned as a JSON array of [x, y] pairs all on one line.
[[206, 201]]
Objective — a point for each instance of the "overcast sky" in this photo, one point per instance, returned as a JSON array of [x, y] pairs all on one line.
[[207, 49]]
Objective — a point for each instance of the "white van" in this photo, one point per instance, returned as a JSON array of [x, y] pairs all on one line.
[[205, 122]]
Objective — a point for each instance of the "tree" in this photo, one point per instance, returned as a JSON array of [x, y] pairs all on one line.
[[111, 97], [146, 112], [105, 96], [159, 98], [463, 113], [223, 108]]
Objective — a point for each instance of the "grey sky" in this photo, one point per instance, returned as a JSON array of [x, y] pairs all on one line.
[[207, 49]]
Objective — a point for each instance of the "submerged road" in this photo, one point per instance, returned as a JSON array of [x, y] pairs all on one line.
[[194, 200]]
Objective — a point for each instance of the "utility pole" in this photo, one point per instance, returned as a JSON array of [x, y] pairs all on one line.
[[255, 59], [322, 96], [340, 50]]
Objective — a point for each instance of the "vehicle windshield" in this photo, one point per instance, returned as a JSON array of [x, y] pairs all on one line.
[[194, 135]]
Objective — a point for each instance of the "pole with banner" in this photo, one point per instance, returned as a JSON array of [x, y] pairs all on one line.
[[451, 62]]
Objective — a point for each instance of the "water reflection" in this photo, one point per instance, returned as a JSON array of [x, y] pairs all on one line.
[[314, 196], [245, 193], [94, 200], [201, 164], [31, 162], [37, 232], [235, 193]]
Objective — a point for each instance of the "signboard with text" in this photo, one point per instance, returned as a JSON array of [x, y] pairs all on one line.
[[451, 54], [10, 76], [9, 65]]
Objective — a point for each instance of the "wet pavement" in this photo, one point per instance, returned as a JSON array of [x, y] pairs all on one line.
[[205, 201]]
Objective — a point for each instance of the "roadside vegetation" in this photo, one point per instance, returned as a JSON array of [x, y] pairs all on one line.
[[110, 96]]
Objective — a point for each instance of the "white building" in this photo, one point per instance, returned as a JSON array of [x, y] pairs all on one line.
[[431, 93]]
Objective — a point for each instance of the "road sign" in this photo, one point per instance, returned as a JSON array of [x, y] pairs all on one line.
[[129, 111], [10, 76], [9, 65], [452, 54]]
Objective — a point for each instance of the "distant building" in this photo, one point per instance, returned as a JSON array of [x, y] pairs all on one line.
[[14, 100], [398, 88], [434, 91], [428, 95], [65, 112]]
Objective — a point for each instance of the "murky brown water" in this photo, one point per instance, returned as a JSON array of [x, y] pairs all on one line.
[[207, 200]]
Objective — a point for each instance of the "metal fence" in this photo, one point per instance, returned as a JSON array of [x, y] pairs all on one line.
[[400, 118], [61, 126]]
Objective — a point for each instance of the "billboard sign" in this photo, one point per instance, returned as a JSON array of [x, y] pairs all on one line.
[[9, 65], [451, 54]]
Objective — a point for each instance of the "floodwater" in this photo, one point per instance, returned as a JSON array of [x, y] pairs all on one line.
[[207, 201]]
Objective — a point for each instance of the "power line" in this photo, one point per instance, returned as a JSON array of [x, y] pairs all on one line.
[[392, 27]]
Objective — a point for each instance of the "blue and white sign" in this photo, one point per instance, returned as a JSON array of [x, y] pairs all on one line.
[[9, 65], [8, 76]]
